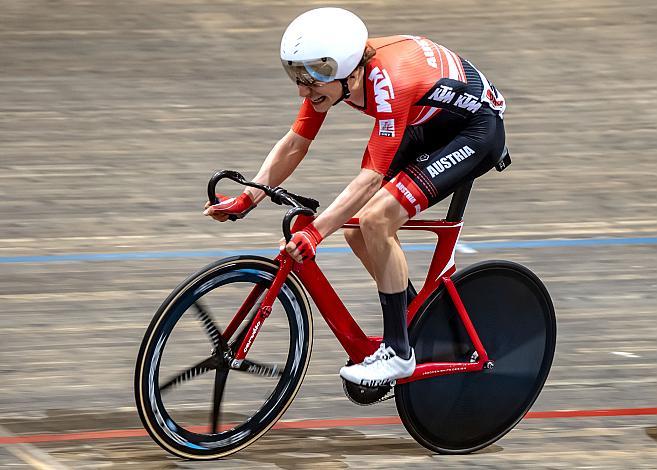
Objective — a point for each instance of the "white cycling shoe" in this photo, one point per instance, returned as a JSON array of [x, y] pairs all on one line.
[[381, 368]]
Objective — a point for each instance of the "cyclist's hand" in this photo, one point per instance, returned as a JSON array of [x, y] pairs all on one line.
[[237, 207], [303, 244]]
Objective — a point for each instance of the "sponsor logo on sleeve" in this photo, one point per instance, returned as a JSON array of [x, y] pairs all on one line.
[[446, 94], [443, 94], [494, 98], [452, 95], [383, 91], [387, 127], [468, 102]]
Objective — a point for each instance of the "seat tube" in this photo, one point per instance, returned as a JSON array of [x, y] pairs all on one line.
[[458, 202]]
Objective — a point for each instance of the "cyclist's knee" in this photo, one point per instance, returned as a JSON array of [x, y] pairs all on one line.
[[374, 224], [353, 236]]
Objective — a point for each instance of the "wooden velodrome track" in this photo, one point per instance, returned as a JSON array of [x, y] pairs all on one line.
[[113, 116]]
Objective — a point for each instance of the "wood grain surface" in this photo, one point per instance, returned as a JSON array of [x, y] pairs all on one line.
[[113, 115]]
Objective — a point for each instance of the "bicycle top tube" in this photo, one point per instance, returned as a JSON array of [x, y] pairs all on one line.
[[415, 224]]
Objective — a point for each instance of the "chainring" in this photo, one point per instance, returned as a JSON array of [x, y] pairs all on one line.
[[364, 396]]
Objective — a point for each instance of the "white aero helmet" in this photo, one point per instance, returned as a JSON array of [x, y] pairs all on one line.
[[323, 44]]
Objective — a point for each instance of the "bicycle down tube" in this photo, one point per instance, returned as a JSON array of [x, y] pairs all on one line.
[[264, 309]]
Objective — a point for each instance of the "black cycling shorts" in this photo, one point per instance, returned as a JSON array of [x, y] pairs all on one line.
[[433, 160]]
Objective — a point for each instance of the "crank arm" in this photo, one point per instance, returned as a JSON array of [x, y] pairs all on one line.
[[257, 368]]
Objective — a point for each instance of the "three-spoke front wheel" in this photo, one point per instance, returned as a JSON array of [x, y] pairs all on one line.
[[193, 398]]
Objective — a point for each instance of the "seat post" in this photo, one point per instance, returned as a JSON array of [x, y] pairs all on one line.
[[458, 202]]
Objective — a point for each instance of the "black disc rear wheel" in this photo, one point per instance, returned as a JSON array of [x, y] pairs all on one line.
[[514, 318]]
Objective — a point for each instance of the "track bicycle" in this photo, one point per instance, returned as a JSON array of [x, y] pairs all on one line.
[[226, 352]]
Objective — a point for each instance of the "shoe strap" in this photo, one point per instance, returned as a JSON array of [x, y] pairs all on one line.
[[384, 352]]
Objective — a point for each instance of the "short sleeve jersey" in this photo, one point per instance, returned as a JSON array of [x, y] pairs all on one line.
[[409, 81]]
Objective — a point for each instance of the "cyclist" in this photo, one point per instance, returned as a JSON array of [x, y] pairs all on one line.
[[438, 124]]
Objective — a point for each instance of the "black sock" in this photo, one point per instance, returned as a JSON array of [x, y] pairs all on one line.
[[395, 333], [411, 293]]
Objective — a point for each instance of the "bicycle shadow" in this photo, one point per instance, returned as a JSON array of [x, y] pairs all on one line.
[[333, 448], [290, 449], [652, 432]]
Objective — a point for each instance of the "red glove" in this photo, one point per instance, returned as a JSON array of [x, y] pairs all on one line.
[[234, 207], [306, 241]]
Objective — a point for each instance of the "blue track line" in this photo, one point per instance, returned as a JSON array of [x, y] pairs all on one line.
[[479, 246]]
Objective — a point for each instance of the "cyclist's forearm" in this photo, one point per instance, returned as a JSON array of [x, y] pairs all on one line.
[[282, 160], [350, 201]]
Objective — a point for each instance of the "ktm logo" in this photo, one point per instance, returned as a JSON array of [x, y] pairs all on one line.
[[383, 91]]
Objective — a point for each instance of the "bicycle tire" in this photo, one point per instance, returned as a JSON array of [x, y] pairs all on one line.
[[191, 443], [514, 317]]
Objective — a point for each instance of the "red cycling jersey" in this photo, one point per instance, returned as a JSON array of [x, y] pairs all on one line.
[[410, 81]]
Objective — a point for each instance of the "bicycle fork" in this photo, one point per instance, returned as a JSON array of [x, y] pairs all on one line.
[[264, 310]]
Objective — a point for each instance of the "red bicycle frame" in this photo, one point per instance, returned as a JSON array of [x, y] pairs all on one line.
[[352, 338]]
